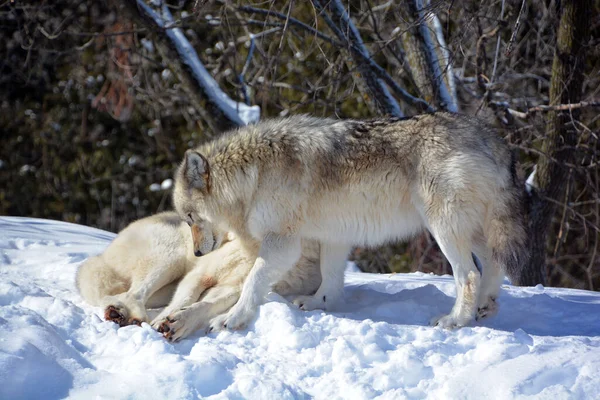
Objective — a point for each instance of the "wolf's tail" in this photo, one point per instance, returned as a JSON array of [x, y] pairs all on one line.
[[507, 234], [95, 280]]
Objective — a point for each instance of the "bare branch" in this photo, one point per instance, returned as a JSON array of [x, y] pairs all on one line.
[[543, 108], [438, 30], [564, 107], [482, 80], [236, 113], [291, 21], [341, 24], [422, 46], [497, 47], [513, 37], [416, 102]]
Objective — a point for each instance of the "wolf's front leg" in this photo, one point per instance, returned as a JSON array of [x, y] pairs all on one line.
[[185, 321], [333, 263], [277, 255], [188, 292]]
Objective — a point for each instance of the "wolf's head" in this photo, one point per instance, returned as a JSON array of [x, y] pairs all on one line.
[[205, 237], [192, 187]]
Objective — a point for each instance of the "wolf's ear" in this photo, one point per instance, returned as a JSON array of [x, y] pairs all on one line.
[[196, 170]]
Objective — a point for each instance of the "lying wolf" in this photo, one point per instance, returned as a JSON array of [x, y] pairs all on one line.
[[154, 263], [349, 182]]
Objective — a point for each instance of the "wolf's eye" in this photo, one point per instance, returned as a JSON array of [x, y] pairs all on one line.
[[190, 221]]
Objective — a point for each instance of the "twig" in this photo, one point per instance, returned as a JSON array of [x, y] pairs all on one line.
[[345, 30], [497, 47], [576, 213], [540, 153], [252, 38], [504, 106], [383, 6], [285, 26], [291, 21], [417, 102], [513, 37], [482, 80], [244, 69], [560, 238], [564, 107]]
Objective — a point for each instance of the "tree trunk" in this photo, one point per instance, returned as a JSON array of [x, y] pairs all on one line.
[[551, 179], [427, 55]]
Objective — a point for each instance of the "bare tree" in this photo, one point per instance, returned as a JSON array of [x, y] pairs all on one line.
[[132, 84], [551, 184]]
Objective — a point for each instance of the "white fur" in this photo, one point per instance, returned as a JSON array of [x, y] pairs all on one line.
[[151, 263]]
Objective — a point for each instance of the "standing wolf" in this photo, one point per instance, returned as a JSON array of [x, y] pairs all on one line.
[[349, 182]]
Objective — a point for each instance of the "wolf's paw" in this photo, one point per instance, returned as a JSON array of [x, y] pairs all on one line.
[[217, 324], [488, 309], [160, 318], [119, 315], [309, 303], [448, 322], [236, 319], [176, 326], [116, 314]]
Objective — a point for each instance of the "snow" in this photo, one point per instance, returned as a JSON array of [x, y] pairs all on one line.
[[543, 344], [166, 184], [530, 182]]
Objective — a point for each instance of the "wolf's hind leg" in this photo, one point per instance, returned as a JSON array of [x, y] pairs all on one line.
[[333, 263], [491, 280], [130, 307], [457, 249]]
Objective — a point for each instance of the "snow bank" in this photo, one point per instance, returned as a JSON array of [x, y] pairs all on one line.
[[543, 344]]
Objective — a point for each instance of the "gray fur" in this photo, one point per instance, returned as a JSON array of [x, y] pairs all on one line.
[[350, 182]]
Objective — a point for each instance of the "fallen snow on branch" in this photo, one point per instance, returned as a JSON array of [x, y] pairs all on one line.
[[237, 112]]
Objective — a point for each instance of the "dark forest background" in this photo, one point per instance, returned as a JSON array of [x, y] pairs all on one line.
[[100, 99]]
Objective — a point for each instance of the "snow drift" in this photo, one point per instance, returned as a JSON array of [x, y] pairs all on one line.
[[543, 344]]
